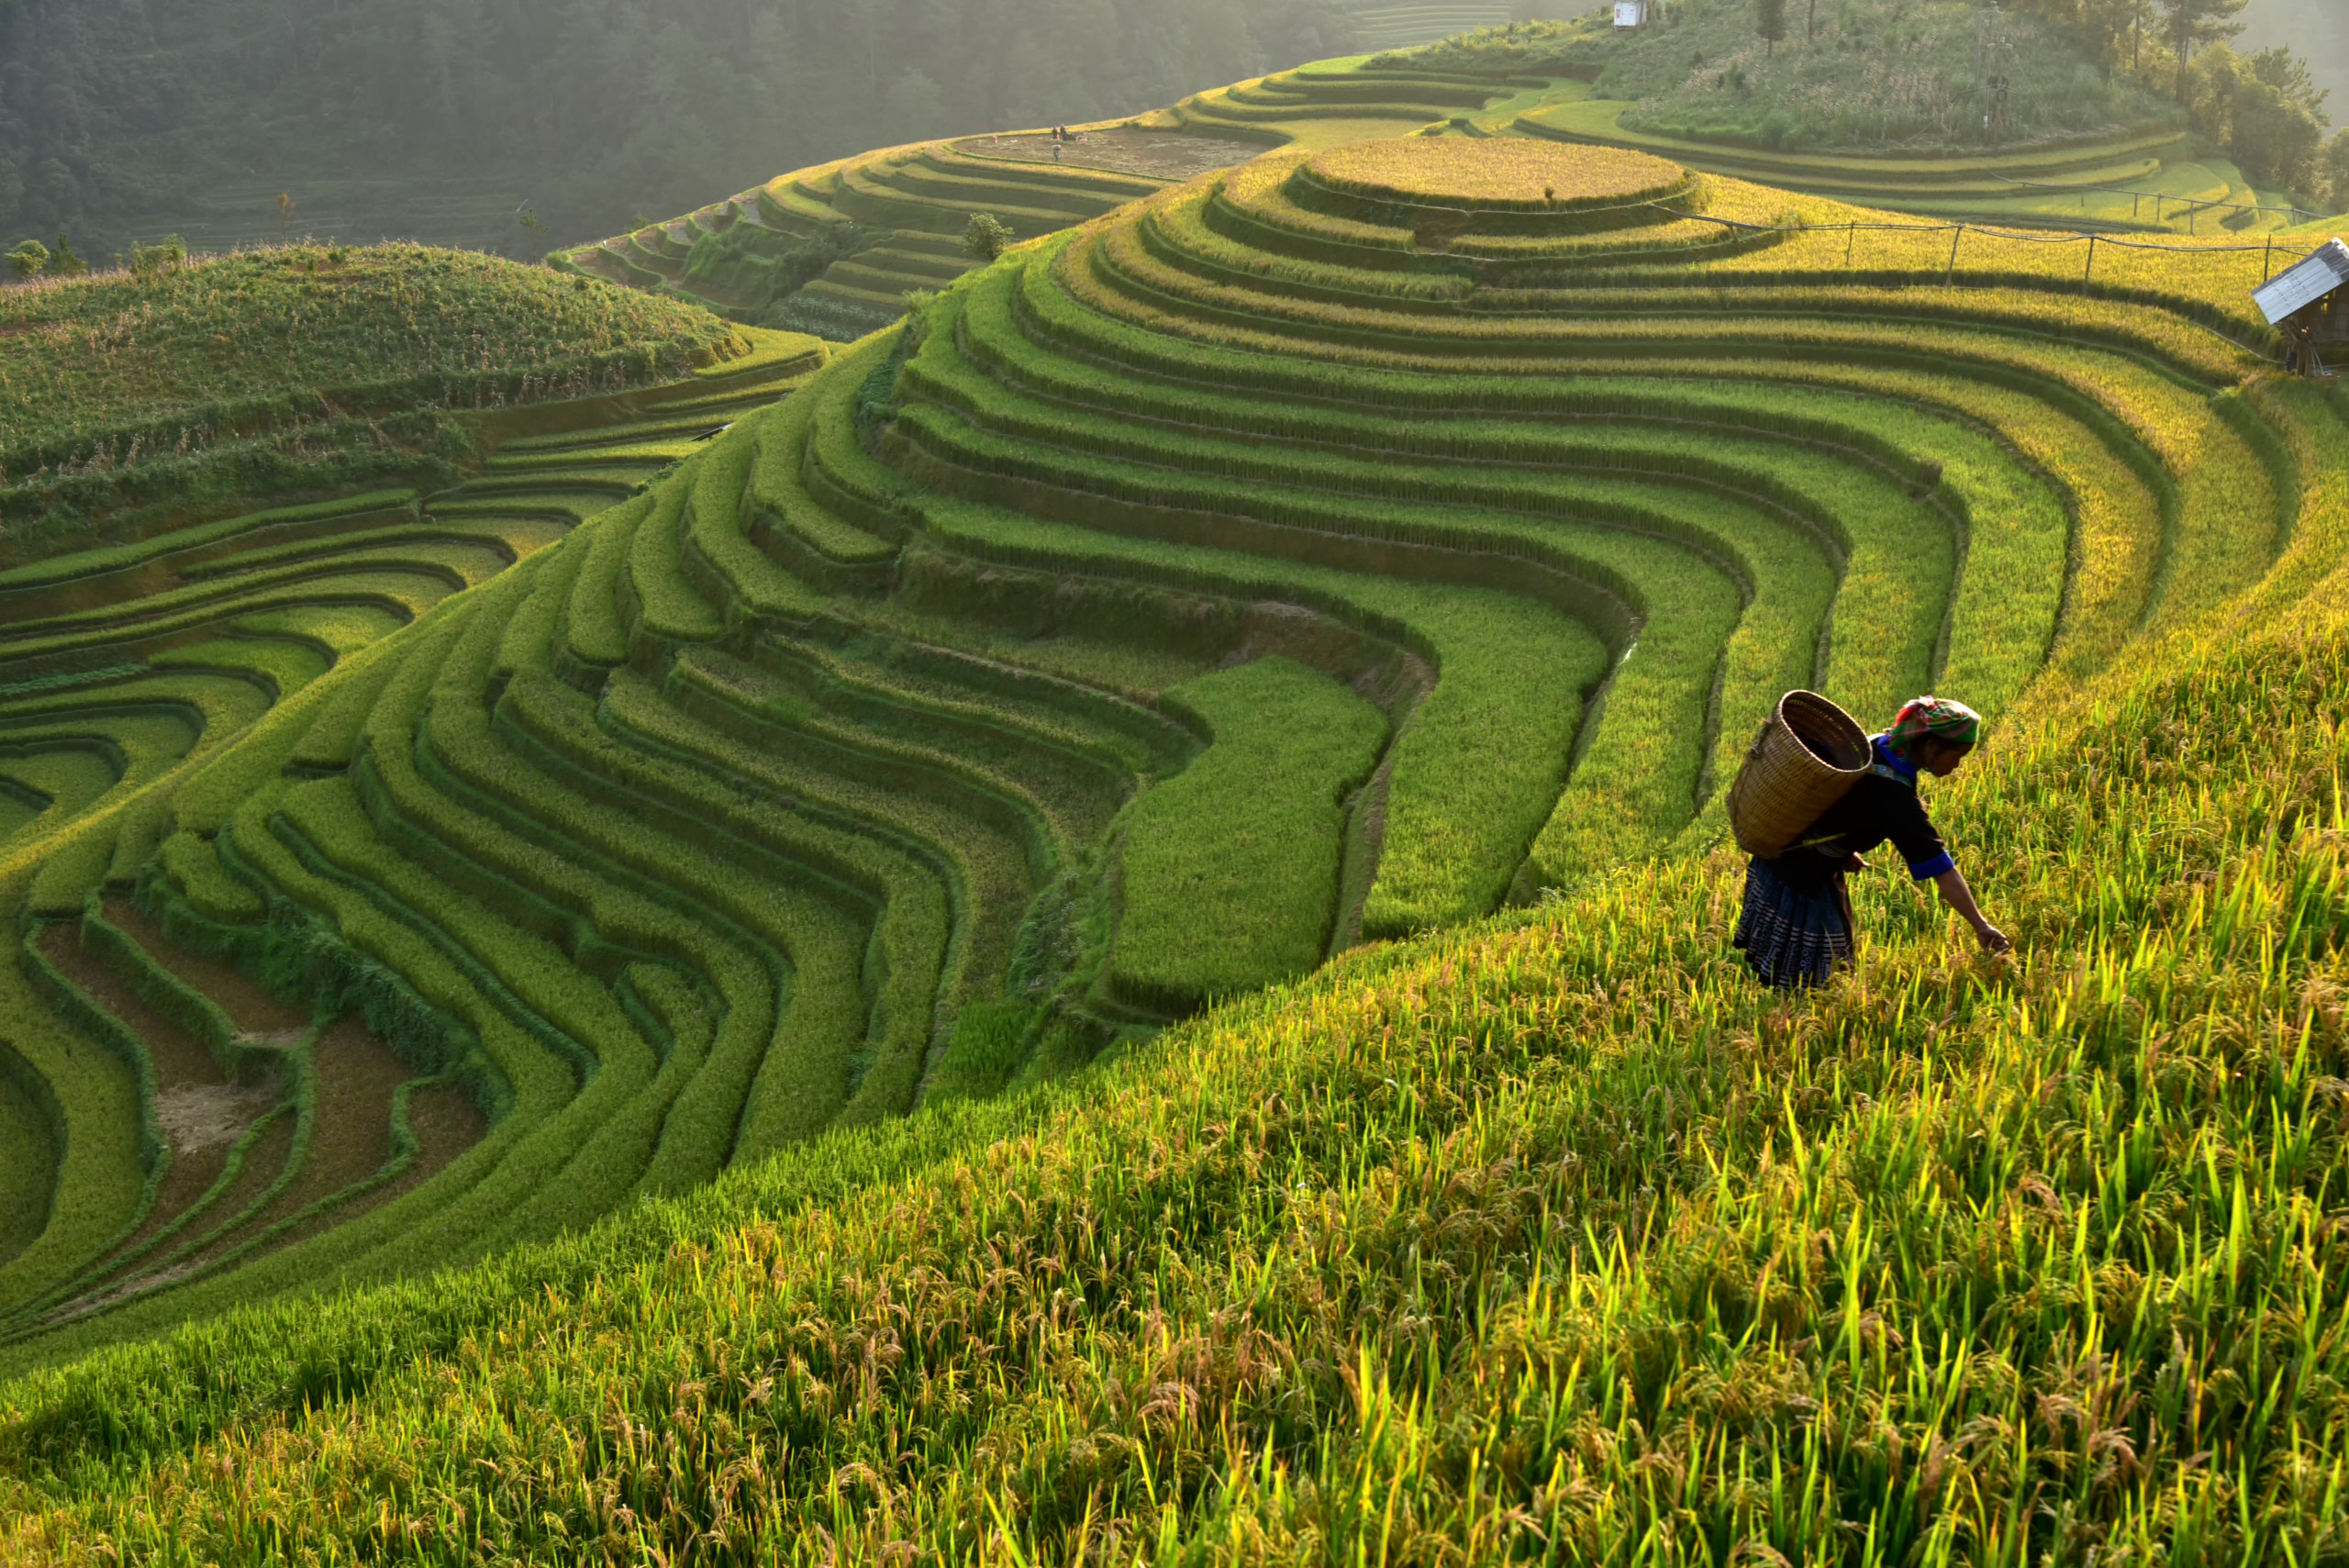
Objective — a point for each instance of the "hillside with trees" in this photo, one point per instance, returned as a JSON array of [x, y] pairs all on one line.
[[2319, 29], [1931, 77], [525, 124]]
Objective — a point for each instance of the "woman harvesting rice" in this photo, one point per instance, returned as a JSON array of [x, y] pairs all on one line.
[[1797, 926]]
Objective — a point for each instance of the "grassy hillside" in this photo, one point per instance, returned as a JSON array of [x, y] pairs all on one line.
[[747, 861], [231, 375], [1876, 75]]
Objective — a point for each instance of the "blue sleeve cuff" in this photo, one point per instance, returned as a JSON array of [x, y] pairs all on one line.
[[1925, 871]]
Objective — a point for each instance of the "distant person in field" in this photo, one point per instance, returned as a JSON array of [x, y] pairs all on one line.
[[1797, 926]]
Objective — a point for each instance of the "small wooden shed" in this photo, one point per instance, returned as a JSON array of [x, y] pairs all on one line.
[[2309, 303]]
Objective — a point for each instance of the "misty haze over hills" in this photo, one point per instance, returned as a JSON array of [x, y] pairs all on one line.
[[519, 125], [2318, 29], [451, 120]]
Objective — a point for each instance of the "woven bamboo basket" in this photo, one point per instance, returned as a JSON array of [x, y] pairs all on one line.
[[1807, 757]]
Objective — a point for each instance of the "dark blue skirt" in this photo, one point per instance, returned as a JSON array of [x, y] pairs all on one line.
[[1792, 938]]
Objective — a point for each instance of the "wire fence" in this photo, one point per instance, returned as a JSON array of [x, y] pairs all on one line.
[[2194, 205], [1958, 229]]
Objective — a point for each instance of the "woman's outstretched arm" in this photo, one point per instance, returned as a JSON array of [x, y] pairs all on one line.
[[1960, 898]]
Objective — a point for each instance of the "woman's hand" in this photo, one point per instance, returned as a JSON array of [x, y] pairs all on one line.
[[1960, 898]]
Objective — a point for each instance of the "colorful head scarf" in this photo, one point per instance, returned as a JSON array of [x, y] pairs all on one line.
[[1940, 718]]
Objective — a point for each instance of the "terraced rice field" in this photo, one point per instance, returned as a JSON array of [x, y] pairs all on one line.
[[834, 248], [1378, 26], [711, 841], [2149, 179], [1338, 547], [210, 1075], [880, 224]]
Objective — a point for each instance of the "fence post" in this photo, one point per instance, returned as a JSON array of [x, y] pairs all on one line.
[[2267, 260], [2089, 270], [1952, 273], [1851, 239]]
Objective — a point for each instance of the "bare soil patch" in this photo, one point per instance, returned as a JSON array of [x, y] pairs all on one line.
[[198, 1111], [203, 1117], [255, 1010], [1159, 154]]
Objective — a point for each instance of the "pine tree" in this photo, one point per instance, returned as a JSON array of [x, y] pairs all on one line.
[[1770, 21], [2192, 22]]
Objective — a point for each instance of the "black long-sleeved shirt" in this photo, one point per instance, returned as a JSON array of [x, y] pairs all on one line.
[[1882, 805]]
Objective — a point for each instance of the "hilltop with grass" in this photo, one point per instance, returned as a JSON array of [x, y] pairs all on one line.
[[197, 382], [1093, 925]]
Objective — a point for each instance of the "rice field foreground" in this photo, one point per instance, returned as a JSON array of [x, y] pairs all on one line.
[[1094, 926], [1546, 1240]]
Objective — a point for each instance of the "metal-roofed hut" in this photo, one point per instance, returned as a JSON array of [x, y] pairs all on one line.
[[2308, 304]]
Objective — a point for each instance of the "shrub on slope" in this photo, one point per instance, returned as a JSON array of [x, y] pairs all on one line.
[[1551, 1240]]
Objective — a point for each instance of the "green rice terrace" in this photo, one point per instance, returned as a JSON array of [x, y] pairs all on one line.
[[1091, 924]]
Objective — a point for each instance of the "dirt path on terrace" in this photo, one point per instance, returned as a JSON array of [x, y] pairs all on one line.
[[1159, 154]]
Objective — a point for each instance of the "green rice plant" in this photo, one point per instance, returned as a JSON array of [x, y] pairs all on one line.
[[790, 1075], [1689, 610], [978, 186], [400, 589], [29, 1172], [2119, 526], [723, 538], [2015, 526], [1223, 109], [777, 498], [1109, 732], [773, 356], [1448, 1097], [335, 630], [674, 1139], [839, 474], [932, 933], [971, 158], [77, 1020], [657, 602], [595, 638], [1893, 574], [93, 1103], [1343, 307], [1478, 766], [1227, 876], [1257, 205], [453, 1213], [56, 569], [1179, 234], [458, 564], [511, 537], [195, 871], [285, 665], [928, 765]]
